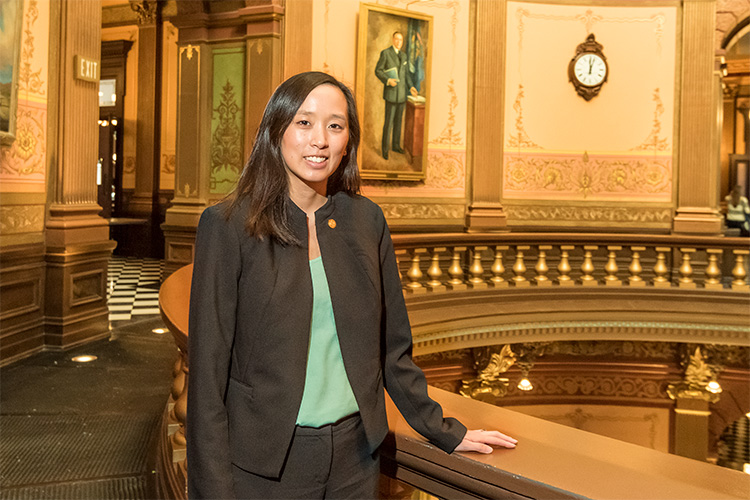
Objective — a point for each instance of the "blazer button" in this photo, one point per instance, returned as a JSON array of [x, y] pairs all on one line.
[[332, 223]]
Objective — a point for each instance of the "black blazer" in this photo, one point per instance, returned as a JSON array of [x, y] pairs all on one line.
[[250, 311], [390, 59]]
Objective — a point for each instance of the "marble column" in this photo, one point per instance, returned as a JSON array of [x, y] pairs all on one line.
[[486, 100], [145, 200], [77, 238], [698, 170]]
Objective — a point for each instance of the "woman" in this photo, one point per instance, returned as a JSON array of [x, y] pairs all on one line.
[[738, 211], [297, 319]]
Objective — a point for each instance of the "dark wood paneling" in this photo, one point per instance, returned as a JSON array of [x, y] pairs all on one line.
[[21, 301]]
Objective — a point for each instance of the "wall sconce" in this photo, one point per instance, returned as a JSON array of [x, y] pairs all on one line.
[[713, 387], [525, 384]]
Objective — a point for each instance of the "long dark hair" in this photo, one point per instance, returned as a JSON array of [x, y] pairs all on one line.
[[264, 182]]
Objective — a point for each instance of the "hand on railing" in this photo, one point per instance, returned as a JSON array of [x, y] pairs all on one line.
[[482, 441]]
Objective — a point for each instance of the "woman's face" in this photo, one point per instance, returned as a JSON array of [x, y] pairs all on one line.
[[315, 142]]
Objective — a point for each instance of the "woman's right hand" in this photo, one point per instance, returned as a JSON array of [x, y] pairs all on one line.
[[482, 441]]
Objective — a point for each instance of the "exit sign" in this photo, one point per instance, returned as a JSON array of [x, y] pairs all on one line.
[[86, 69]]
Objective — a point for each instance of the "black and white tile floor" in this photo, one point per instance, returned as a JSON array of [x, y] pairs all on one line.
[[133, 287]]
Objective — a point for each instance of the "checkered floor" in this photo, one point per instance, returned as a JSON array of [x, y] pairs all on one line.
[[133, 287]]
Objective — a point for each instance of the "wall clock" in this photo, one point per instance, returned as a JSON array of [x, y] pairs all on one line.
[[588, 70]]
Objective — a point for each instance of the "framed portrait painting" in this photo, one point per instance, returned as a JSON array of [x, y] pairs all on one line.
[[393, 91], [10, 51]]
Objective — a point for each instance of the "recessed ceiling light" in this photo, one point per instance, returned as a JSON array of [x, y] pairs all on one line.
[[159, 331]]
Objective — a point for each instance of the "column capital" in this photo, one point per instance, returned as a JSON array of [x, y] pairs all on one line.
[[146, 10]]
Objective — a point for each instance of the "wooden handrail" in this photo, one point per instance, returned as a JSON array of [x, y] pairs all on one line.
[[550, 461]]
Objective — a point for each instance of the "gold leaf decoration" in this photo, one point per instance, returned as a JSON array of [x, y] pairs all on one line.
[[520, 139], [653, 142], [226, 142], [586, 175], [422, 211], [28, 79], [17, 219], [523, 213]]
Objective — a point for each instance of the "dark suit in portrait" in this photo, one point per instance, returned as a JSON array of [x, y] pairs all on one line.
[[390, 69]]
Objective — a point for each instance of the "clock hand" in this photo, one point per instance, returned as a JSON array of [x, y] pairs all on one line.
[[591, 63]]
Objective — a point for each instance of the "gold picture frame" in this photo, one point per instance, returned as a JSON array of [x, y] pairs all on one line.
[[11, 15], [393, 92]]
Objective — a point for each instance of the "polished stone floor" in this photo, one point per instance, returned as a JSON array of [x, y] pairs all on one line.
[[71, 430]]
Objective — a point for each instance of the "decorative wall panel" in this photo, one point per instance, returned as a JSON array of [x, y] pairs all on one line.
[[22, 164], [616, 147], [227, 130]]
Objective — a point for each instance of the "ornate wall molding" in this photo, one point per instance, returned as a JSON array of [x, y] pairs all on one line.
[[542, 215], [541, 331], [594, 386], [422, 211], [21, 219], [30, 80], [566, 176], [25, 159]]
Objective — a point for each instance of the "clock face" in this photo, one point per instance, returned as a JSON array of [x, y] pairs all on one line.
[[590, 70]]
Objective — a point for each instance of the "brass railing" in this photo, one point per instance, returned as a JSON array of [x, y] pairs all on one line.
[[468, 271], [440, 262]]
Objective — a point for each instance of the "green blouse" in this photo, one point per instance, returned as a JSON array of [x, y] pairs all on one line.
[[328, 396]]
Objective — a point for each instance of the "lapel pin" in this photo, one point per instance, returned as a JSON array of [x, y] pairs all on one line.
[[332, 223]]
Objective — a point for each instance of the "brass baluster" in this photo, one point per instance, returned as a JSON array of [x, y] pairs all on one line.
[[587, 267], [686, 270], [635, 267], [739, 273], [541, 267], [178, 385], [611, 268], [563, 268], [435, 284], [399, 255], [713, 272], [456, 282], [178, 440], [415, 274], [519, 268], [476, 270], [498, 269], [660, 268]]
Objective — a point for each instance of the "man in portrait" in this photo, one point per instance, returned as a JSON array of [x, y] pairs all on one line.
[[391, 69]]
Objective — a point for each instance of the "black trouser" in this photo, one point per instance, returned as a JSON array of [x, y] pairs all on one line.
[[323, 463], [394, 114]]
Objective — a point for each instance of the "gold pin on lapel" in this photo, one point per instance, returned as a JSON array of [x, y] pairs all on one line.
[[332, 223]]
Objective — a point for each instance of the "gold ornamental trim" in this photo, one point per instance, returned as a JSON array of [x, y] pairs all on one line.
[[537, 214], [434, 341], [21, 219], [422, 211]]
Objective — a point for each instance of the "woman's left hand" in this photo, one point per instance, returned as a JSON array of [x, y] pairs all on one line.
[[482, 441]]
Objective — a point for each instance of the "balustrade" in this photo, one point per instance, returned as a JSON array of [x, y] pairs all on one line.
[[567, 261], [600, 263]]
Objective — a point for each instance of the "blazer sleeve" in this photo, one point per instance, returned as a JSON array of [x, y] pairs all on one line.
[[213, 305], [380, 67], [405, 381]]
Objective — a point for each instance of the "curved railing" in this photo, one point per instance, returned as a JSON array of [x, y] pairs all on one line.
[[467, 289], [482, 289]]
